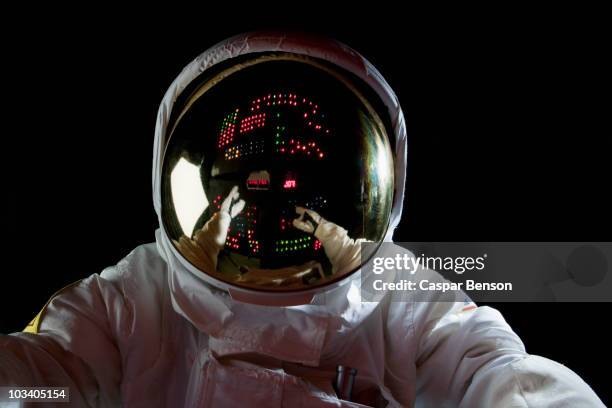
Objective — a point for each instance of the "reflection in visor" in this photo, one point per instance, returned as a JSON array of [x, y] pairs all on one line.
[[187, 195], [279, 151], [297, 127]]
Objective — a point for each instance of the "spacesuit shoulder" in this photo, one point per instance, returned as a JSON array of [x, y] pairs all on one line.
[[142, 272], [144, 262], [34, 325]]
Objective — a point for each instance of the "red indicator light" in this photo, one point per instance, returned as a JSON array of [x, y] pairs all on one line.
[[257, 182]]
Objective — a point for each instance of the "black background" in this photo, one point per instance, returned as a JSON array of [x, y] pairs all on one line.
[[504, 111]]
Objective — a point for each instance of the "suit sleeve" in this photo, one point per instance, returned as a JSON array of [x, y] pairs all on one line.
[[75, 345], [469, 357]]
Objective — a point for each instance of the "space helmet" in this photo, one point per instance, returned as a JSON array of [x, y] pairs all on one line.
[[277, 164]]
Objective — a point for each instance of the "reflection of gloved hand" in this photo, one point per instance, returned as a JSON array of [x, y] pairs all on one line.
[[344, 253], [229, 206], [308, 221], [204, 248]]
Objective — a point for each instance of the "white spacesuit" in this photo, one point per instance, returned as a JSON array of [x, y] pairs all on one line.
[[153, 331]]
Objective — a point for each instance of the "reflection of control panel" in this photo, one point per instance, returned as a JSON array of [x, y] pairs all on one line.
[[290, 181], [241, 235], [275, 135], [283, 239], [292, 241], [258, 180], [279, 123], [258, 184]]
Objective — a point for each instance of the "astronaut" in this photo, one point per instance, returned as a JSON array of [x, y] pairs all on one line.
[[276, 156]]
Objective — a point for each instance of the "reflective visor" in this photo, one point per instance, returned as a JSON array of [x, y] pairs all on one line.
[[263, 142]]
